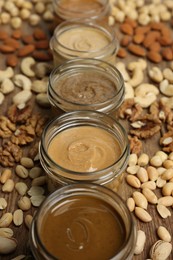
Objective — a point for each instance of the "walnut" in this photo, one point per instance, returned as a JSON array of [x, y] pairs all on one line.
[[33, 150], [40, 125], [167, 141], [23, 135], [149, 126], [160, 111], [130, 110], [17, 115], [6, 127], [10, 154], [135, 144]]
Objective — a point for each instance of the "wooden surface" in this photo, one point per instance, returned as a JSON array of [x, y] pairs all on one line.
[[150, 146]]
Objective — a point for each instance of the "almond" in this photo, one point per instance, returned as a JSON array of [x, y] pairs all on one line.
[[132, 22], [3, 35], [142, 29], [12, 60], [167, 54], [126, 40], [155, 46], [121, 53], [126, 29], [12, 42], [39, 34], [138, 38], [41, 56], [137, 50], [44, 44], [16, 34], [28, 39], [26, 50], [166, 40], [154, 56], [151, 37], [6, 49]]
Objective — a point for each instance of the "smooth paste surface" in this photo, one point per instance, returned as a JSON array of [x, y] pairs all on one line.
[[84, 149], [84, 38], [82, 227]]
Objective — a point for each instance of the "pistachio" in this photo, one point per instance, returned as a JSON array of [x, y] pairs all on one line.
[[160, 250], [7, 245]]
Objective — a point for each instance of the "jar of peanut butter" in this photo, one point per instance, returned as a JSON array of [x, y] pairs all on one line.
[[83, 38], [85, 84], [85, 147], [71, 9], [83, 221]]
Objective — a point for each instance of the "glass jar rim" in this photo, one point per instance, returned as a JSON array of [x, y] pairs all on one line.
[[112, 198], [87, 23], [90, 62], [87, 113]]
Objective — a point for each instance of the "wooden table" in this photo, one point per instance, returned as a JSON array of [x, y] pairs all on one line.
[[150, 146]]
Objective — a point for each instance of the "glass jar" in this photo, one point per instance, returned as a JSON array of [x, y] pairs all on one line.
[[83, 39], [70, 211], [96, 149], [70, 9], [85, 84]]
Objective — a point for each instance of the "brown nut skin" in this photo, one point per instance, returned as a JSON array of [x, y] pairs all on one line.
[[137, 50], [122, 53], [26, 50], [12, 60], [126, 28], [167, 54], [154, 56]]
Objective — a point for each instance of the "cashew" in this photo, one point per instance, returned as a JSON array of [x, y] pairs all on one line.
[[137, 78], [7, 86], [121, 67], [145, 101], [129, 91], [168, 74], [26, 66], [167, 101], [34, 19], [1, 98], [22, 81], [40, 86], [155, 74], [42, 100], [146, 88], [140, 63], [22, 97], [166, 88], [42, 69], [7, 73]]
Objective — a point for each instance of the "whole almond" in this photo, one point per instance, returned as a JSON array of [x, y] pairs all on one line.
[[137, 50], [163, 234], [6, 220], [16, 34], [138, 38], [6, 49], [167, 54], [126, 28], [140, 199], [154, 56], [122, 53], [44, 44], [26, 50], [142, 214], [3, 35], [163, 211], [125, 40], [12, 60], [149, 195], [12, 42], [39, 34], [133, 181], [166, 201], [41, 56]]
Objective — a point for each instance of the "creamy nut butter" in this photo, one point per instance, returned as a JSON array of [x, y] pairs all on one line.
[[86, 88], [83, 222], [70, 9], [84, 146], [84, 149], [85, 84], [83, 39]]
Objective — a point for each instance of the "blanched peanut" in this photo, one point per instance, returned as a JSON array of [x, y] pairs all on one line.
[[143, 159], [142, 174], [152, 173]]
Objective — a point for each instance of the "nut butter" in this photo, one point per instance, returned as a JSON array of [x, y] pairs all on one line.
[[84, 146], [85, 84], [72, 9], [83, 222], [83, 38]]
